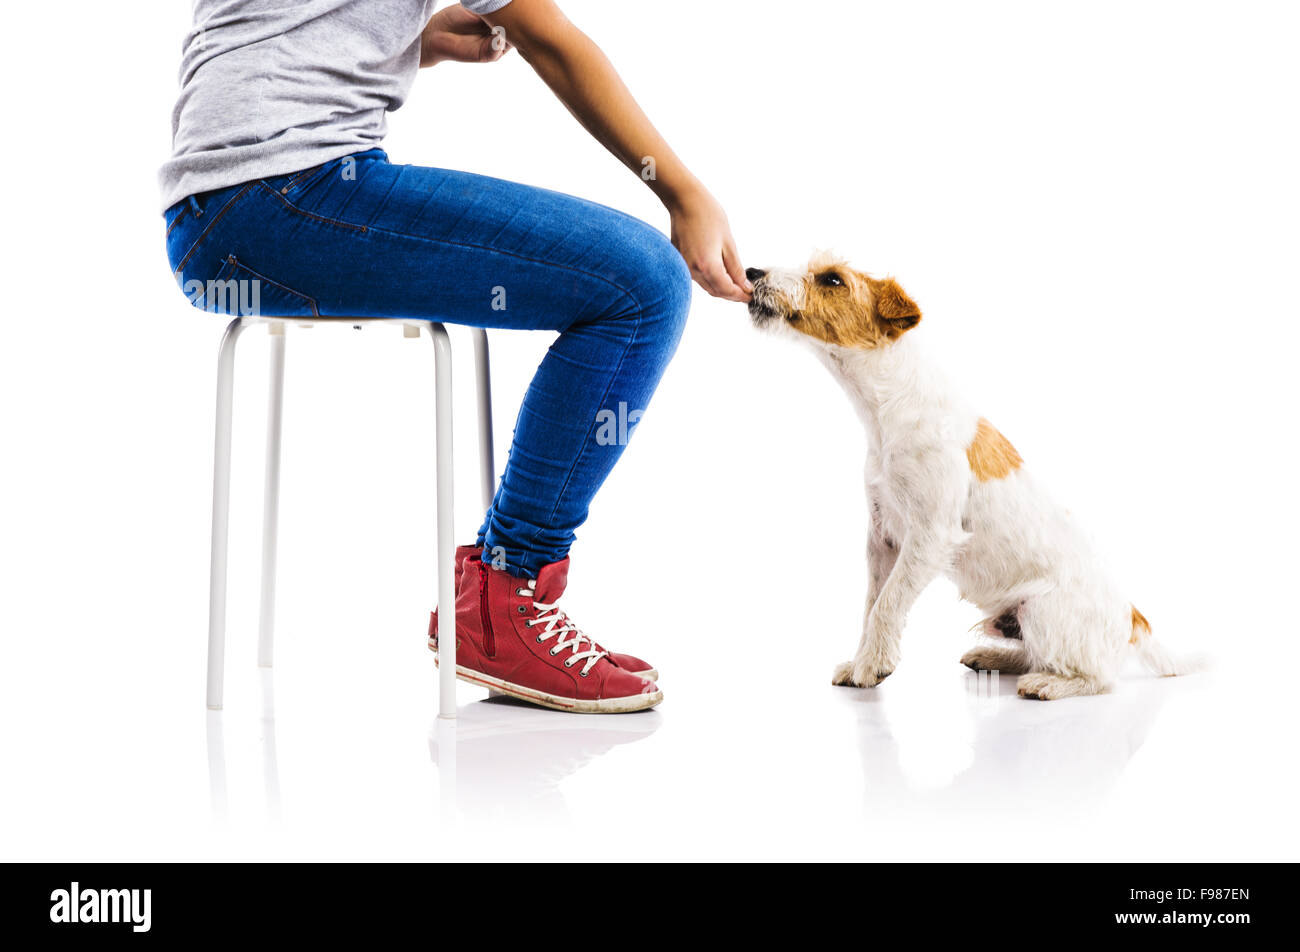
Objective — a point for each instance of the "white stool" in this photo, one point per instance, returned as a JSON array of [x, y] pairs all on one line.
[[446, 594]]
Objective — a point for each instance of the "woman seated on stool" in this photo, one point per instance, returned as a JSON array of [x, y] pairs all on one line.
[[277, 178]]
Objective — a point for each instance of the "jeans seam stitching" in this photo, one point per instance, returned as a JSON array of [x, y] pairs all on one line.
[[212, 224], [362, 229], [294, 180], [309, 175], [176, 220]]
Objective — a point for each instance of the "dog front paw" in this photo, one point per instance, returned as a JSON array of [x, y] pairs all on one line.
[[996, 658], [843, 675], [858, 674]]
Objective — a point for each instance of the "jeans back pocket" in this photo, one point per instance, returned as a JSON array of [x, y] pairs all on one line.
[[240, 291]]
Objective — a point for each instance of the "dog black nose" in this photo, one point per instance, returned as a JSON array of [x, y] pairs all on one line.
[[754, 273]]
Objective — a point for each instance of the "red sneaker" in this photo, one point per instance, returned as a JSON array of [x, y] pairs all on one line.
[[466, 553], [512, 637]]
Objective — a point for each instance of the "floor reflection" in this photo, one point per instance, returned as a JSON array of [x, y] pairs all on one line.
[[987, 749], [216, 743], [922, 746], [504, 756], [500, 756], [270, 758], [217, 792]]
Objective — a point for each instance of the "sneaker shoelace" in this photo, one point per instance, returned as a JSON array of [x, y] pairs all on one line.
[[561, 628]]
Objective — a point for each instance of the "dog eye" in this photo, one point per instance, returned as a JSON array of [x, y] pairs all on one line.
[[830, 280]]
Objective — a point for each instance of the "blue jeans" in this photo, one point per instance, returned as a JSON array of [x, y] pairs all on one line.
[[360, 236]]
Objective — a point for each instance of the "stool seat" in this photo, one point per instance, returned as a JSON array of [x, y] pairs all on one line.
[[299, 321], [445, 595]]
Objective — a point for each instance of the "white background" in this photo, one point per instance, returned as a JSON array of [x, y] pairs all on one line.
[[1095, 205]]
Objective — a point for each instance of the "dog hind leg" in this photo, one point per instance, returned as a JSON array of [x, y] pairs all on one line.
[[1073, 641], [1042, 686]]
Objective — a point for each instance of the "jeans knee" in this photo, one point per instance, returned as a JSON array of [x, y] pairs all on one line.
[[664, 289]]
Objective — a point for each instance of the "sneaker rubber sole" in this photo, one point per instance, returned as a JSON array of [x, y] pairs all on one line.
[[613, 705]]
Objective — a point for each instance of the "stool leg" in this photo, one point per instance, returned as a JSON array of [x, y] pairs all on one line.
[[487, 468], [446, 529], [271, 497], [221, 513], [482, 370]]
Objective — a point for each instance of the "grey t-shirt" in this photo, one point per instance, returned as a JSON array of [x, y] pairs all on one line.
[[273, 86]]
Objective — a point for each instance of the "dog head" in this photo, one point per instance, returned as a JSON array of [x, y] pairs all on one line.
[[832, 303]]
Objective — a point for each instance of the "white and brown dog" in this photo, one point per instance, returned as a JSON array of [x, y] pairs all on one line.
[[947, 493]]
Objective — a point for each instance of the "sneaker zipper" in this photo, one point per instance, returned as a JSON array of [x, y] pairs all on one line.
[[485, 617]]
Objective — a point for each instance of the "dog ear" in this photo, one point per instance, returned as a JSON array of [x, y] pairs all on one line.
[[893, 307]]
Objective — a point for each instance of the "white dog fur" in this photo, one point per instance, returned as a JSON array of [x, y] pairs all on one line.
[[947, 494]]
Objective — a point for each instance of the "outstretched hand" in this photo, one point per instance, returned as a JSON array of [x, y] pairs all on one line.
[[453, 33], [702, 235]]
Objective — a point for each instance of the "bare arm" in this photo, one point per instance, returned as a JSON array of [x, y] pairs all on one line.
[[582, 78]]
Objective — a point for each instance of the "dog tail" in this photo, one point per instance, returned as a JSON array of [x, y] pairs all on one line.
[[1156, 658]]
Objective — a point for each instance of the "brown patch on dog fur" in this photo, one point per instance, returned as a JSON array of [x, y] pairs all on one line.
[[1139, 624], [990, 454], [860, 311]]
